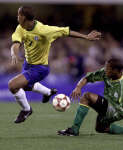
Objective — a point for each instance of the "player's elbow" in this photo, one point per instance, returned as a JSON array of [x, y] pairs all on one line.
[[15, 45]]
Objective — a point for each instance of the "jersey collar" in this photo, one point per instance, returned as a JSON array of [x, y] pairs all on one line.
[[35, 22]]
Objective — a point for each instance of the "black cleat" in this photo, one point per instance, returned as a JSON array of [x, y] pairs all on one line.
[[46, 98], [67, 132], [23, 115]]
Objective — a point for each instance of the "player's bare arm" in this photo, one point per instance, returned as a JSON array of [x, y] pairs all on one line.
[[76, 93], [14, 53], [92, 36]]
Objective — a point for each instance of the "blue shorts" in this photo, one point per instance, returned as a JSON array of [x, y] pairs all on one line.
[[34, 73]]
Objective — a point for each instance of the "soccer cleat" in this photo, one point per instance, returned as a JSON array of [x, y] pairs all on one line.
[[67, 132], [23, 115], [46, 98]]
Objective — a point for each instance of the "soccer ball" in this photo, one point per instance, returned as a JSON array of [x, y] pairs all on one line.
[[61, 102]]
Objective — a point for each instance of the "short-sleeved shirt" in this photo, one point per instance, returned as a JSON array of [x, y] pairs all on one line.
[[37, 42], [113, 91]]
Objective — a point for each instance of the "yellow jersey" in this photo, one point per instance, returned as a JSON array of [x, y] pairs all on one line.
[[37, 42]]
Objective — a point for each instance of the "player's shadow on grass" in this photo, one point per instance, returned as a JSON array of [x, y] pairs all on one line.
[[46, 136], [93, 136], [52, 136]]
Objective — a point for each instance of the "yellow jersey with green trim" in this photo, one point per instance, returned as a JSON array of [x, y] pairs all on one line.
[[37, 42]]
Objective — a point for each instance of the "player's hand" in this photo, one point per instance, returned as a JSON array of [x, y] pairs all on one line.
[[76, 93], [94, 35]]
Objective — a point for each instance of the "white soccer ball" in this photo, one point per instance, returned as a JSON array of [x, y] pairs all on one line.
[[61, 102]]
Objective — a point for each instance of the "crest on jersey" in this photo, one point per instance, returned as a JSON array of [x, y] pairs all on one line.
[[36, 38], [116, 94]]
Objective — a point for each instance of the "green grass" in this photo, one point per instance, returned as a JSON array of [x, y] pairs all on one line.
[[39, 131]]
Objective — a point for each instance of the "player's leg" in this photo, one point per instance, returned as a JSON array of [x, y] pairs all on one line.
[[106, 118], [16, 86], [39, 88], [47, 93], [103, 126], [87, 100], [104, 122], [115, 129], [34, 74]]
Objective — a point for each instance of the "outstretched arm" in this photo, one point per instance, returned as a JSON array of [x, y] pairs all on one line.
[[76, 93], [92, 36]]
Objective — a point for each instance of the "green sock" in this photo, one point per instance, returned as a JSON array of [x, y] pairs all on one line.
[[80, 115], [115, 129]]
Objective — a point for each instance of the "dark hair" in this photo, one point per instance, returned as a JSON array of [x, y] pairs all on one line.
[[115, 63], [28, 12]]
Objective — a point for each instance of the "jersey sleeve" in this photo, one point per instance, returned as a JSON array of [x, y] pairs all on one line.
[[54, 32], [17, 35], [95, 76]]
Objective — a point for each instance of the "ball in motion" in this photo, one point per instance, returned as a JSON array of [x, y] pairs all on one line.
[[61, 102]]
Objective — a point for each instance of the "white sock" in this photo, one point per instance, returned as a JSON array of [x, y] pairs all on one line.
[[38, 87], [20, 97]]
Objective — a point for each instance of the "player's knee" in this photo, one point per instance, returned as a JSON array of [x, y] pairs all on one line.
[[11, 86], [87, 96]]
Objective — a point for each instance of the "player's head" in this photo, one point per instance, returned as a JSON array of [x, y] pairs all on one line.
[[113, 68], [25, 13]]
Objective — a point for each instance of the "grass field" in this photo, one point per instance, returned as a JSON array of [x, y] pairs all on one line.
[[39, 131]]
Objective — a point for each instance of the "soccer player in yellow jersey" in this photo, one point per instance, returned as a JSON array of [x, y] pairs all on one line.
[[37, 39]]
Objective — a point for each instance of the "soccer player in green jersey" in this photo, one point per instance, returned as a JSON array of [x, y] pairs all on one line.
[[37, 39], [109, 107]]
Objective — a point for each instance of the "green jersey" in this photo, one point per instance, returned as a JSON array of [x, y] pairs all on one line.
[[113, 91]]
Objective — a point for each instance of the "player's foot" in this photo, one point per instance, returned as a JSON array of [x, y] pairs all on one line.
[[46, 98], [23, 115], [67, 132]]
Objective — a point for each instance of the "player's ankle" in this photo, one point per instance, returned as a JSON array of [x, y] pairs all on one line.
[[75, 130]]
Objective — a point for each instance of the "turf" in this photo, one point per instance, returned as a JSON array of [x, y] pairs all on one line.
[[39, 131]]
